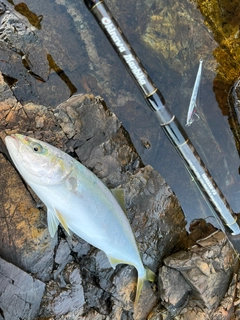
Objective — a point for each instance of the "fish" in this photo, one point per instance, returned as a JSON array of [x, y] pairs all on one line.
[[78, 200], [192, 104]]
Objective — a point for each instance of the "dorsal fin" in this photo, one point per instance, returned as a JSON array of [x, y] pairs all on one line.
[[119, 195]]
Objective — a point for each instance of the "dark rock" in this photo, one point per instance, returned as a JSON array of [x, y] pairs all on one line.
[[20, 293], [234, 112], [62, 258], [25, 61], [202, 274], [21, 37], [5, 92], [80, 280], [226, 309], [80, 283], [173, 289], [24, 239], [199, 229], [59, 302]]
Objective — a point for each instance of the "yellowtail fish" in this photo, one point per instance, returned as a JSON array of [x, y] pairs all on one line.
[[77, 199]]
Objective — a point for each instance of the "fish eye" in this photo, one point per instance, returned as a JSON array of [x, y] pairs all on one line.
[[37, 147]]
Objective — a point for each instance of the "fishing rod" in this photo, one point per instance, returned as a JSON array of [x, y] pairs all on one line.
[[168, 122]]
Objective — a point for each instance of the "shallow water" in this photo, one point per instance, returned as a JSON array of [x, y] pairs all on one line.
[[68, 53]]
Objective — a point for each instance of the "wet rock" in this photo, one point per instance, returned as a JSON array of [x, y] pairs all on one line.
[[174, 290], [63, 131], [24, 239], [234, 112], [199, 278], [222, 19], [59, 302], [5, 92], [169, 29], [80, 283], [21, 37], [25, 61], [79, 279], [62, 258], [20, 293]]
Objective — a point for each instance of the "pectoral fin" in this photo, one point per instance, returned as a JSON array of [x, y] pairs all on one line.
[[52, 221]]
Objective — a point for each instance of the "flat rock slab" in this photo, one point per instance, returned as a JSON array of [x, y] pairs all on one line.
[[20, 293]]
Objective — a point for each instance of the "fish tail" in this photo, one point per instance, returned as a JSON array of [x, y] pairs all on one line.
[[146, 275], [139, 288]]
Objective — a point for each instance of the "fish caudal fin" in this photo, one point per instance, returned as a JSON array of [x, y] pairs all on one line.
[[148, 275], [143, 275], [139, 289]]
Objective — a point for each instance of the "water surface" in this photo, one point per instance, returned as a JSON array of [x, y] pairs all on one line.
[[67, 53]]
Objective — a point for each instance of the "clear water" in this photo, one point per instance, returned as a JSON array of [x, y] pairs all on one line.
[[169, 39]]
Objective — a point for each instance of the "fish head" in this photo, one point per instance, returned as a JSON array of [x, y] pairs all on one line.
[[39, 162]]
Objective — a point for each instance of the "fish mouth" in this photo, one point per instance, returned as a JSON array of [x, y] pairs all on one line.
[[13, 142], [12, 145], [21, 137], [16, 138]]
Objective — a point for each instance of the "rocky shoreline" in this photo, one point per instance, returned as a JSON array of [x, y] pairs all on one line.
[[66, 278]]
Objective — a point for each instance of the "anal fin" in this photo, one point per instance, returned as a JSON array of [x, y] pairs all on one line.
[[63, 221], [53, 218]]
